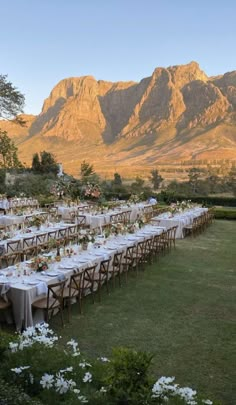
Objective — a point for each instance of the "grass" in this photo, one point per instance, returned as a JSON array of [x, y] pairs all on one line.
[[182, 308]]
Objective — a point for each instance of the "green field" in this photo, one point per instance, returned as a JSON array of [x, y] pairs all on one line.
[[181, 308]]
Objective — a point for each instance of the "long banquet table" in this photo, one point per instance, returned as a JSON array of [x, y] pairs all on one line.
[[180, 220], [23, 290]]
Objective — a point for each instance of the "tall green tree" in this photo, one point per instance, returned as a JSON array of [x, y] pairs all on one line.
[[11, 100], [117, 179], [45, 163], [8, 152], [36, 164], [87, 173], [194, 176], [155, 179]]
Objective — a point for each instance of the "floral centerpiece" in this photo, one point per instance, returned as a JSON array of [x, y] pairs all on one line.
[[92, 191], [85, 236], [134, 198], [182, 206], [36, 220], [118, 229], [40, 264], [4, 235]]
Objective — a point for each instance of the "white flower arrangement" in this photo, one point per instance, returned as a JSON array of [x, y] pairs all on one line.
[[59, 382]]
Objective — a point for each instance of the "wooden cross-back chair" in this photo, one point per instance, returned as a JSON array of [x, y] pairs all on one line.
[[13, 252], [128, 260], [74, 291], [116, 267], [89, 280], [29, 247], [53, 302]]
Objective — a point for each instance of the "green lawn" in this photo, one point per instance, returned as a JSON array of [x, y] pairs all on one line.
[[182, 308]]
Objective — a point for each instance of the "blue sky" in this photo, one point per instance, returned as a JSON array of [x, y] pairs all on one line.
[[45, 41]]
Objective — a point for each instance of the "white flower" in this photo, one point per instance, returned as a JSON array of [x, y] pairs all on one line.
[[103, 389], [13, 347], [87, 377], [83, 399], [76, 390], [73, 344], [18, 370], [47, 381], [75, 354], [68, 369], [31, 377], [187, 393], [104, 359], [84, 364], [61, 385], [207, 402]]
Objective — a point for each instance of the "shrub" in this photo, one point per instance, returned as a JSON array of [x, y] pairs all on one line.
[[169, 197], [14, 395], [225, 213], [43, 370]]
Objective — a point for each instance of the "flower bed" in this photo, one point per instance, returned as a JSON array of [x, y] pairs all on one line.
[[37, 365]]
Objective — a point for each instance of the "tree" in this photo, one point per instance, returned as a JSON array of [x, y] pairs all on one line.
[[46, 163], [213, 180], [86, 170], [36, 164], [155, 179], [194, 176], [88, 174], [8, 152], [117, 179], [137, 185], [11, 100], [231, 180]]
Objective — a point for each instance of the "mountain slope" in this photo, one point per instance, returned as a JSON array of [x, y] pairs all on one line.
[[177, 113]]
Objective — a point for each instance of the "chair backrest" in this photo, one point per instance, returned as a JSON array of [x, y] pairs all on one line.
[[52, 235], [81, 219], [114, 218], [129, 254], [41, 238], [148, 245], [116, 263], [28, 242], [89, 274], [76, 283], [72, 230], [62, 233], [140, 250], [127, 215], [13, 246], [173, 232], [104, 266], [55, 294]]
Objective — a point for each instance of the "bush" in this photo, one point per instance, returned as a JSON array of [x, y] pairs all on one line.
[[14, 395], [225, 213], [42, 369], [169, 197]]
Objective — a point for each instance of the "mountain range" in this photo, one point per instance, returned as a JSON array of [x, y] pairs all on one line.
[[176, 114]]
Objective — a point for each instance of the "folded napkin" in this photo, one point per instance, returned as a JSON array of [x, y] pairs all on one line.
[[42, 288]]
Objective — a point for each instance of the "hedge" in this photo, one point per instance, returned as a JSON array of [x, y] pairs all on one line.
[[224, 213], [204, 200]]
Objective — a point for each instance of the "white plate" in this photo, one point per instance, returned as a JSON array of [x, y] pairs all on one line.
[[52, 274], [33, 282]]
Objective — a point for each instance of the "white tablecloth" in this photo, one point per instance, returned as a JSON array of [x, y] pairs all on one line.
[[180, 220], [23, 289]]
